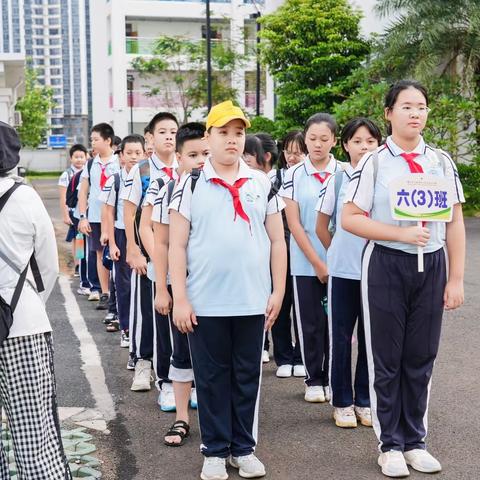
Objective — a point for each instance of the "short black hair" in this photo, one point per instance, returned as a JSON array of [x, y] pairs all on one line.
[[105, 130], [117, 141], [253, 146], [78, 147], [292, 137], [150, 128], [353, 125], [134, 138], [189, 131], [269, 145], [322, 118]]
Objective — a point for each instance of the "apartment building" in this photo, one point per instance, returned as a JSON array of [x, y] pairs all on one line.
[[54, 36], [125, 29]]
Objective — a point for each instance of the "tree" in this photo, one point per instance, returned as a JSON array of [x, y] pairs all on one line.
[[450, 123], [34, 107], [178, 67], [439, 37], [310, 47]]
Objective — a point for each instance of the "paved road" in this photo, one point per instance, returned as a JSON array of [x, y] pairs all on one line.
[[297, 440]]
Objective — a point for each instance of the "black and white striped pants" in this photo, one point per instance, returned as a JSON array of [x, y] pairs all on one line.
[[28, 396]]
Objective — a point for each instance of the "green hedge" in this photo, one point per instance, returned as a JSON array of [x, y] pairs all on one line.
[[470, 177]]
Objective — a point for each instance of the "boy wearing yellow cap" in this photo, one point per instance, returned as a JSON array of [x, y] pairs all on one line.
[[226, 231]]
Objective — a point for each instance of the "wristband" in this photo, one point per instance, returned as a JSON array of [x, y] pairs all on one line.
[[82, 216]]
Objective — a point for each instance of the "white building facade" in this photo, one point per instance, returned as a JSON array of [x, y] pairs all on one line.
[[54, 36], [125, 29]]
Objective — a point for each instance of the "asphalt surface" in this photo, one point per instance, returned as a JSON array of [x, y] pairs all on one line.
[[297, 440]]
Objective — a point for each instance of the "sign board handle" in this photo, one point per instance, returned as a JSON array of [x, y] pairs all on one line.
[[420, 253]]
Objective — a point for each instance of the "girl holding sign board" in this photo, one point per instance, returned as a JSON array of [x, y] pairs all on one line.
[[403, 307]]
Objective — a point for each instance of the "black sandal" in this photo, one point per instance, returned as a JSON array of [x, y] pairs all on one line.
[[178, 429], [113, 326]]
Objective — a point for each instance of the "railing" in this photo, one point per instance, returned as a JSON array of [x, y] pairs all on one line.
[[146, 45]]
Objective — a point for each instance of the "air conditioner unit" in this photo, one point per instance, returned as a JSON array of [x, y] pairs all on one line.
[[17, 118]]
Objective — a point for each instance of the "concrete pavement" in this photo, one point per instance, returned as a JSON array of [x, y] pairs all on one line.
[[297, 440]]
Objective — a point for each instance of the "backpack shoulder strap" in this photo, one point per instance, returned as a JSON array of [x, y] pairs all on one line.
[[375, 166], [442, 159], [116, 184], [278, 179], [4, 198], [160, 183], [171, 188], [195, 175], [89, 170]]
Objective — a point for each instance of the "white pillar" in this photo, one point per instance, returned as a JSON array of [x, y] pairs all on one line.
[[237, 36]]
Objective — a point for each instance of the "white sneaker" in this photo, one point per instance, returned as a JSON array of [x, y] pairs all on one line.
[[166, 398], [124, 340], [345, 417], [143, 376], [393, 464], [422, 461], [83, 291], [299, 371], [328, 397], [94, 296], [314, 394], [265, 357], [249, 466], [284, 371], [214, 468], [364, 414], [193, 399]]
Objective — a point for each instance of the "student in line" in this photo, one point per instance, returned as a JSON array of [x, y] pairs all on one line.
[[344, 255], [28, 272], [402, 307], [161, 130], [93, 179], [78, 157], [192, 152], [301, 188], [226, 231], [286, 352], [132, 151]]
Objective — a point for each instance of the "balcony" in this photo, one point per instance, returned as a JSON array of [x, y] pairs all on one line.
[[146, 45]]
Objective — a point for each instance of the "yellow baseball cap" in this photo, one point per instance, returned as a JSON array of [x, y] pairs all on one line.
[[225, 112]]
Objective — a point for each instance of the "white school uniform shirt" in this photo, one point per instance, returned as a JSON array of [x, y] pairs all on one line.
[[344, 256], [94, 204], [301, 186], [67, 175], [134, 190], [374, 198], [228, 261], [26, 226], [109, 197]]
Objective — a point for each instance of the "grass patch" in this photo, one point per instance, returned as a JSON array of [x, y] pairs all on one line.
[[33, 175]]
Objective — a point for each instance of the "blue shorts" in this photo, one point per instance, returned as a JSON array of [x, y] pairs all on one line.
[[72, 229], [94, 244]]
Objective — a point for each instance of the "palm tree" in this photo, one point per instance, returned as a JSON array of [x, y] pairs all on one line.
[[434, 38]]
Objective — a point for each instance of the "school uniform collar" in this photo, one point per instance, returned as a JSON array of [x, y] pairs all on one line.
[[349, 170], [123, 173], [396, 151], [244, 171], [311, 170], [5, 184], [112, 159], [159, 165]]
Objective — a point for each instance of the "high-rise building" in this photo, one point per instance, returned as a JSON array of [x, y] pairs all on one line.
[[123, 30], [53, 36]]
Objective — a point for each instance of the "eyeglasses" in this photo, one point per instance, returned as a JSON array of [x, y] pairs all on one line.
[[292, 154], [407, 109]]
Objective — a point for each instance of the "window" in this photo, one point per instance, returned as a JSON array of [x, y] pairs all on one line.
[[39, 61], [54, 31], [55, 41], [54, 21], [56, 81], [38, 21], [55, 51], [53, 11], [38, 31], [39, 51], [55, 71], [55, 61]]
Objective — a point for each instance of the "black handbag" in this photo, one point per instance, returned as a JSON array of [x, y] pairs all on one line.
[[6, 310]]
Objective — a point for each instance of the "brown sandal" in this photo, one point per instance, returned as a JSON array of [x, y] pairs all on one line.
[[113, 326]]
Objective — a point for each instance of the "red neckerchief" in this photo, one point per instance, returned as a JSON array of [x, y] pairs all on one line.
[[235, 192], [414, 166], [320, 178], [168, 171]]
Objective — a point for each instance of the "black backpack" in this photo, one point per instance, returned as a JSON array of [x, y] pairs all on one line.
[[6, 310], [71, 198]]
